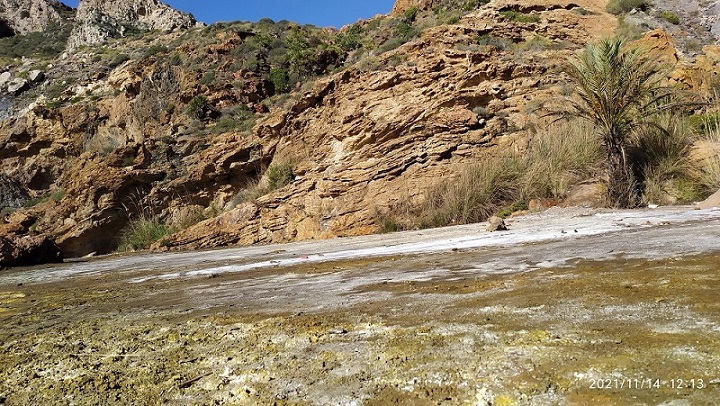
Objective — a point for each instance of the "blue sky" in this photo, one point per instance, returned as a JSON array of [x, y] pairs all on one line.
[[319, 12]]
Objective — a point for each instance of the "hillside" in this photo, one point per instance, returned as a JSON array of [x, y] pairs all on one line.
[[262, 132]]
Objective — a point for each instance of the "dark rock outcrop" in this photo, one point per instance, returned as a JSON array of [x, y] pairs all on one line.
[[28, 250], [12, 194]]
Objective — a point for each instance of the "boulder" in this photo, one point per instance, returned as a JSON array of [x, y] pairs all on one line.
[[17, 86], [4, 79], [710, 202], [36, 76], [28, 250], [496, 223]]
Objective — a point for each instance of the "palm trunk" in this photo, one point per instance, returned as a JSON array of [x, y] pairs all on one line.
[[620, 179]]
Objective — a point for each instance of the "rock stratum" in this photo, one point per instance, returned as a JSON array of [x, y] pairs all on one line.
[[118, 141]]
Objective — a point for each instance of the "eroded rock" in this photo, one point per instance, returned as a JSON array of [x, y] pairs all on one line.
[[28, 250]]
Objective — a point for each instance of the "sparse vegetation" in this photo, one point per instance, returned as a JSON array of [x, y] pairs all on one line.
[[618, 7], [44, 45], [554, 161], [239, 118], [276, 176], [490, 40], [154, 50], [56, 196], [520, 17], [671, 17], [628, 29]]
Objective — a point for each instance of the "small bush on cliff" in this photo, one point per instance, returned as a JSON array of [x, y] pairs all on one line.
[[198, 107], [670, 17], [520, 17], [239, 118], [56, 196], [625, 6], [276, 176], [280, 79], [279, 175]]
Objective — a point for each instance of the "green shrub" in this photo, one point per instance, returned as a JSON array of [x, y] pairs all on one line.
[[473, 195], [207, 79], [237, 118], [154, 50], [410, 14], [280, 79], [350, 38], [519, 17], [670, 17], [404, 30], [618, 7], [198, 107], [276, 176], [515, 207], [471, 5], [558, 158], [279, 175], [583, 11], [46, 44], [119, 60], [142, 233]]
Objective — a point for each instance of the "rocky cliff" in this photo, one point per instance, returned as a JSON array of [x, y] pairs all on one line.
[[25, 16], [98, 20]]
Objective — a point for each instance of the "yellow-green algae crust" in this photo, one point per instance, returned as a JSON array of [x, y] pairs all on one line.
[[541, 337]]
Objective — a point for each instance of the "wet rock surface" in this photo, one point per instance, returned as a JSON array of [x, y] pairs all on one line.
[[623, 316]]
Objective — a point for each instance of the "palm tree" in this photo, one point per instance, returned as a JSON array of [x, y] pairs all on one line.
[[618, 89]]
